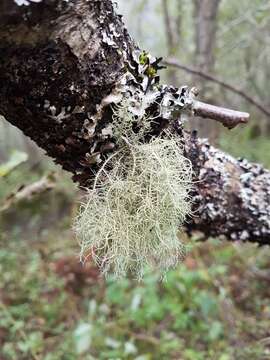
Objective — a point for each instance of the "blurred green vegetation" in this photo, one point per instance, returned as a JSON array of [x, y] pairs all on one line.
[[242, 142], [214, 306]]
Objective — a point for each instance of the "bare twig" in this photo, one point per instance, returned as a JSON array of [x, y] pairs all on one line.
[[27, 192], [255, 102], [229, 118]]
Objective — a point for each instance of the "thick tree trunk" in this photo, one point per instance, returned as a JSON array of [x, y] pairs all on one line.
[[62, 66]]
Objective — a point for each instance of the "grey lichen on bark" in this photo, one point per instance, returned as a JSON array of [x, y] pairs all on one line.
[[232, 197], [64, 64]]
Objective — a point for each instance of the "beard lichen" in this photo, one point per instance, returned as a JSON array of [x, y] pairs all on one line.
[[140, 198]]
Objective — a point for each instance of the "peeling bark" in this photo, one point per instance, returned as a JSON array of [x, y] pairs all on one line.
[[63, 64]]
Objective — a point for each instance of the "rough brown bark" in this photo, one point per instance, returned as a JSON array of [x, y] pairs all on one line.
[[62, 66], [57, 63]]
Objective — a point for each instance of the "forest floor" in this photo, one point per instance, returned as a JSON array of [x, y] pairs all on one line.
[[215, 306]]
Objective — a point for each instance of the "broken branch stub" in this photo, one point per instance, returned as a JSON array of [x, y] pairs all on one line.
[[229, 118]]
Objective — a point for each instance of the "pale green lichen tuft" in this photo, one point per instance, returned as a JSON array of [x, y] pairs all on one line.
[[132, 216]]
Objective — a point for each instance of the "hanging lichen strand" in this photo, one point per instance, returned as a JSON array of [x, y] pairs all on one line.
[[140, 197]]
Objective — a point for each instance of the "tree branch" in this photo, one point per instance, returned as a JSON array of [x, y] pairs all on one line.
[[27, 192], [231, 198], [60, 80], [175, 63]]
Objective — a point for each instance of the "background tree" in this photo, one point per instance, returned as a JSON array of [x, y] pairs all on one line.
[[205, 17]]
